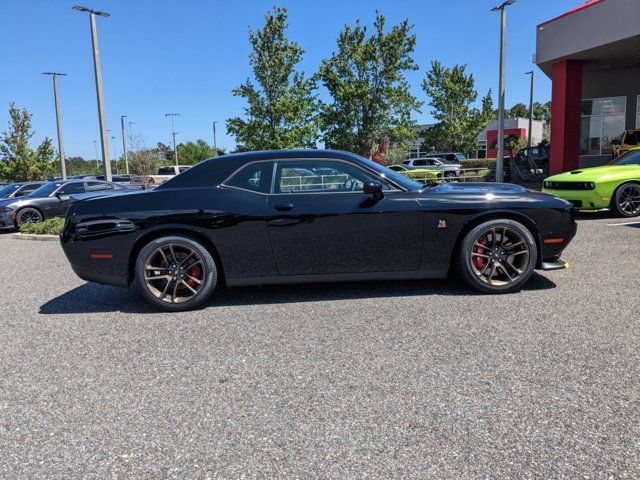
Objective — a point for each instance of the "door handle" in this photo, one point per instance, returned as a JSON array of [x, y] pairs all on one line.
[[283, 207]]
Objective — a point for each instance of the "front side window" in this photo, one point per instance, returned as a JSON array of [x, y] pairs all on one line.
[[631, 157], [602, 120], [97, 186], [320, 176], [255, 177], [419, 163], [71, 188]]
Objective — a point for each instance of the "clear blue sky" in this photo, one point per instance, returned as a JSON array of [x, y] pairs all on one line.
[[185, 56]]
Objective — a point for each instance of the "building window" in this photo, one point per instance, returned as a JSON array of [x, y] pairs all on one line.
[[602, 120]]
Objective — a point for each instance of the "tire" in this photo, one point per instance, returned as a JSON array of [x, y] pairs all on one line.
[[450, 174], [28, 215], [185, 273], [510, 266], [626, 200]]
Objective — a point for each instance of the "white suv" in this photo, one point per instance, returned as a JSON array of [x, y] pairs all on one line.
[[450, 170]]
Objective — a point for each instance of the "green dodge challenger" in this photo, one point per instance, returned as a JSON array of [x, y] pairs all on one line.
[[615, 186]]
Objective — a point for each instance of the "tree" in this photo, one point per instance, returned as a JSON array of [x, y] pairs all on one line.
[[370, 95], [191, 153], [542, 112], [512, 143], [518, 110], [282, 107], [144, 161], [451, 93], [18, 161]]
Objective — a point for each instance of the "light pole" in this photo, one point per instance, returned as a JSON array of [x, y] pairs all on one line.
[[131, 134], [55, 76], [115, 153], [503, 26], [530, 107], [124, 144], [173, 133], [95, 147], [215, 145], [98, 74]]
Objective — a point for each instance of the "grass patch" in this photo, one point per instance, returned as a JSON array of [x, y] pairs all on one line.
[[51, 226]]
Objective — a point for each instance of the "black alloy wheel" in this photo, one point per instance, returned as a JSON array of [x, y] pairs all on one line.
[[497, 256], [626, 200], [28, 215], [176, 273]]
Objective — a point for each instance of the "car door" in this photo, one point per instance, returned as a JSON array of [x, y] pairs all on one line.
[[59, 201], [324, 223]]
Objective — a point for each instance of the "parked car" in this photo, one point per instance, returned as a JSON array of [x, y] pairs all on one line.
[[615, 186], [50, 200], [164, 174], [20, 189], [238, 220], [122, 178], [417, 173], [627, 141], [450, 170], [452, 157]]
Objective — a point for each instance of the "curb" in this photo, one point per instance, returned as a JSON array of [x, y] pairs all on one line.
[[37, 237]]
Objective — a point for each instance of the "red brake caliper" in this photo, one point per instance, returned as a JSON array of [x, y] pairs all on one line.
[[195, 273], [479, 261]]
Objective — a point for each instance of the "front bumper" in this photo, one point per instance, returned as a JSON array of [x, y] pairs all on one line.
[[583, 199], [557, 264]]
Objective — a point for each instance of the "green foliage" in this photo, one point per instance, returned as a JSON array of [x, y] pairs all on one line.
[[518, 110], [144, 161], [18, 161], [396, 153], [191, 153], [282, 107], [370, 95], [451, 93], [542, 111], [50, 226], [512, 143], [478, 163]]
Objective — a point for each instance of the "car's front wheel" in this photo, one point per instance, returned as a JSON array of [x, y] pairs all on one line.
[[497, 256], [626, 200], [28, 215], [176, 273]]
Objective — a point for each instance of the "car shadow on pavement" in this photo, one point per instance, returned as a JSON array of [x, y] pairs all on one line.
[[94, 298]]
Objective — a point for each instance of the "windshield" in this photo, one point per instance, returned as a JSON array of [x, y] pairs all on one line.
[[45, 190], [393, 176], [632, 157], [8, 189]]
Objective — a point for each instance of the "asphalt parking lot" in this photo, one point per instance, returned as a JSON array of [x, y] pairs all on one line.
[[408, 379]]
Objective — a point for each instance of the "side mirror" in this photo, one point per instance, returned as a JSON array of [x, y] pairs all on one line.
[[62, 197], [374, 189]]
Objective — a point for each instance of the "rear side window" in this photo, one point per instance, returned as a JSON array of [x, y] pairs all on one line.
[[96, 186], [419, 162], [255, 177]]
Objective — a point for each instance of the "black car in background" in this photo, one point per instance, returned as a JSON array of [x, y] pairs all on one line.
[[311, 216], [51, 199], [19, 189]]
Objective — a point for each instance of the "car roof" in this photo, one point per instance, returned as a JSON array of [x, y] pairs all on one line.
[[214, 170]]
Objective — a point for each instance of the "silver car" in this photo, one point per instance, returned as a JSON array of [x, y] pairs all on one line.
[[451, 170]]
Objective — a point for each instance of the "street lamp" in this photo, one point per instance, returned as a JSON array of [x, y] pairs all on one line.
[[54, 75], [530, 107], [215, 145], [98, 75], [173, 134], [115, 152], [124, 144], [503, 26]]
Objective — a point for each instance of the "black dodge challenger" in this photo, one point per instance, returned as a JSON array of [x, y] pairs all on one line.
[[311, 216]]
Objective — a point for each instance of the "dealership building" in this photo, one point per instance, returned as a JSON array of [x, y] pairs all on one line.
[[592, 56]]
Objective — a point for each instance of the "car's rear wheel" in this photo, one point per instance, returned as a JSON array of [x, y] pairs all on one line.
[[626, 200], [28, 215], [497, 256], [176, 273]]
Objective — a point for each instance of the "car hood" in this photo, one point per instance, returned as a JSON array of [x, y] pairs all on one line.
[[595, 174], [479, 188]]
